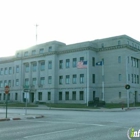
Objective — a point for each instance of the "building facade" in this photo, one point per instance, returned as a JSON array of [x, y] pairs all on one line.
[[49, 72]]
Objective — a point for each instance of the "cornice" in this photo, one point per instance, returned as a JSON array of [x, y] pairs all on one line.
[[118, 47], [71, 51]]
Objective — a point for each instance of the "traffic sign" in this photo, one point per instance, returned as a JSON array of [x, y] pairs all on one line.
[[127, 86], [7, 89]]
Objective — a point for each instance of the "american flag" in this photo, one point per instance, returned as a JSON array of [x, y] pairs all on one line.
[[82, 65]]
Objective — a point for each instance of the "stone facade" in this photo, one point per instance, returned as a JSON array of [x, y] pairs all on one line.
[[49, 72]]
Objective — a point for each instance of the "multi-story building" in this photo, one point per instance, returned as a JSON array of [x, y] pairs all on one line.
[[49, 72]]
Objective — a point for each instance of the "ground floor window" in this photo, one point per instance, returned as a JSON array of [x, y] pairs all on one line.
[[49, 95], [4, 96], [8, 96], [120, 95], [16, 96], [39, 95], [74, 95], [60, 95], [81, 95], [66, 95]]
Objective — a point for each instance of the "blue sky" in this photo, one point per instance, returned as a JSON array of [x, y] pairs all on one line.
[[68, 21]]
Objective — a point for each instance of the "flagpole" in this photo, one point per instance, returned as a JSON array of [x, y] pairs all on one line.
[[87, 81], [103, 81]]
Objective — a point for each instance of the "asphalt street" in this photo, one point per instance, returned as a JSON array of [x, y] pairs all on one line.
[[71, 125]]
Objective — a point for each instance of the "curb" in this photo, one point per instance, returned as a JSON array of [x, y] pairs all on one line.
[[13, 119]]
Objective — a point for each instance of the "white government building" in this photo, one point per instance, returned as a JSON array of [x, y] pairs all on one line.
[[49, 72]]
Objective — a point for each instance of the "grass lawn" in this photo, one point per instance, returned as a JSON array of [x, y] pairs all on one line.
[[108, 105], [111, 105], [67, 105]]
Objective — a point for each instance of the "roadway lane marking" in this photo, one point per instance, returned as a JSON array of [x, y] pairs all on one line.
[[76, 123], [49, 133], [65, 122]]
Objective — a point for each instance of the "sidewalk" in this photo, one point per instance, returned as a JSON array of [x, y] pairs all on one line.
[[17, 116]]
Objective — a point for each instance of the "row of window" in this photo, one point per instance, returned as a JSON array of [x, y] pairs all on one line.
[[74, 62], [119, 43], [34, 52], [8, 97], [42, 80], [42, 66], [131, 77], [61, 97], [8, 70], [134, 61]]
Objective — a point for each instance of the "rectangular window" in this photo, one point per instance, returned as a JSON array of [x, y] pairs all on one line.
[[50, 80], [120, 95], [39, 96], [74, 62], [1, 71], [66, 95], [132, 77], [41, 51], [120, 77], [6, 71], [9, 83], [74, 95], [34, 81], [128, 77], [119, 59], [132, 61], [1, 84], [42, 80], [93, 78], [137, 79], [93, 61], [34, 66], [17, 69], [42, 68], [137, 63], [61, 64], [60, 80], [17, 82], [33, 52], [26, 67], [0, 96], [67, 63], [49, 95], [50, 49], [81, 78], [81, 95], [81, 58], [50, 65], [8, 96], [4, 97], [5, 83], [60, 95], [119, 42], [74, 77], [67, 79], [16, 96], [94, 95], [25, 53], [26, 82], [10, 70]]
